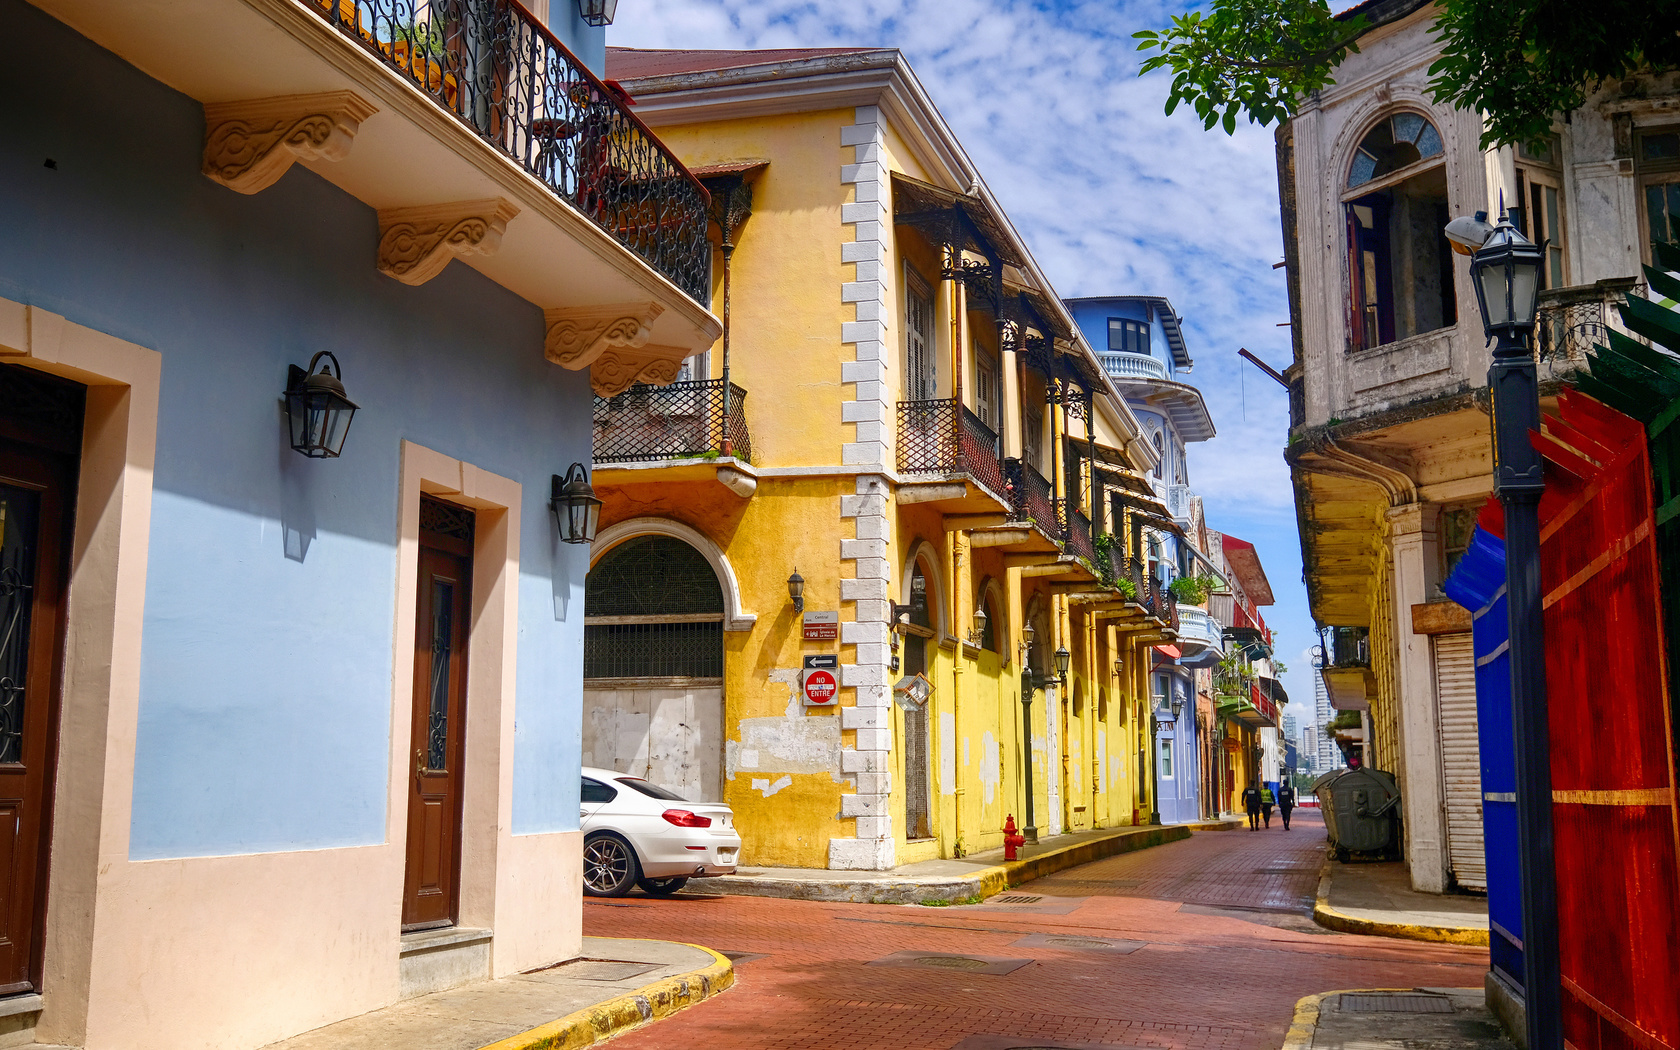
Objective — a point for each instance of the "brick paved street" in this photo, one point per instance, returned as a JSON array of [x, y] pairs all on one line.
[[1226, 950]]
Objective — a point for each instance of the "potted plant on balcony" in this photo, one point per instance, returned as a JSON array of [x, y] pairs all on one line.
[[1192, 590]]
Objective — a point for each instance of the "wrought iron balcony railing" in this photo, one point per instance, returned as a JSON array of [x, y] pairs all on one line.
[[495, 67], [670, 422], [1572, 320], [1347, 646], [940, 436], [1033, 499], [1076, 528]]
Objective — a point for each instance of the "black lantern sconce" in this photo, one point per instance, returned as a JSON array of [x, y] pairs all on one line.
[[1064, 660], [317, 412], [598, 12], [796, 590], [1177, 707], [978, 633], [576, 508], [917, 603]]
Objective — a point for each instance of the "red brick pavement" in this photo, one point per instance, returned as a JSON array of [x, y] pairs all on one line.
[[1202, 980]]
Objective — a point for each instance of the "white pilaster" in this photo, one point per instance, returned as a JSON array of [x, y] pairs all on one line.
[[1412, 538]]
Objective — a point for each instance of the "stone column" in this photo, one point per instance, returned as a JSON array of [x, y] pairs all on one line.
[[1412, 539]]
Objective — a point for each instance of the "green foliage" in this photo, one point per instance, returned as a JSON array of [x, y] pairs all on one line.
[[1278, 668], [423, 38], [1343, 720], [1193, 590], [976, 899], [1231, 674], [1257, 58], [1520, 62]]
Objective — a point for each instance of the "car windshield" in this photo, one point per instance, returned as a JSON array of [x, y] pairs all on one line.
[[651, 790]]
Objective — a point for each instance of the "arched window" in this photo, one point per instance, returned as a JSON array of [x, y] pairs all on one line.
[[1400, 273], [653, 609], [989, 637], [1160, 451], [1396, 142]]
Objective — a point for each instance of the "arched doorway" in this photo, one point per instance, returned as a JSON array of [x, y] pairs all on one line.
[[653, 666]]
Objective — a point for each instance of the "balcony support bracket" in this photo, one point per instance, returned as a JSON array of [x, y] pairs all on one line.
[[415, 244], [249, 144]]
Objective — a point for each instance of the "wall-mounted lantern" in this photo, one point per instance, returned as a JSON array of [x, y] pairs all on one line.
[[598, 12], [978, 633], [576, 508], [796, 590], [1064, 660], [317, 411]]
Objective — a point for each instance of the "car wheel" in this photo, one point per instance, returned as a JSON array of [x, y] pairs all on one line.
[[609, 866], [663, 887]]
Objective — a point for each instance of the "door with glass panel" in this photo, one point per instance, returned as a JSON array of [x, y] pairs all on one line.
[[431, 886], [34, 512]]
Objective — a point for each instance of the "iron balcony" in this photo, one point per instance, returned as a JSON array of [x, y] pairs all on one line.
[[679, 421], [941, 437]]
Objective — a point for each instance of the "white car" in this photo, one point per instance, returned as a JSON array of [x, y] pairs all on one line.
[[636, 833]]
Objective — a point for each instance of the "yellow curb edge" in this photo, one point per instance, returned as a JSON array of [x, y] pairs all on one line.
[[1303, 1027], [593, 1024], [1331, 919]]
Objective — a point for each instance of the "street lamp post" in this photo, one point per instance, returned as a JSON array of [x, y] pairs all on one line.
[[1506, 272]]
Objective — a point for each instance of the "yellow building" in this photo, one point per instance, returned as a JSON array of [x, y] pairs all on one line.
[[902, 425]]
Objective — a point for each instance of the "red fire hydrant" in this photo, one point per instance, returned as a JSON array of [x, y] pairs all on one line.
[[1012, 839]]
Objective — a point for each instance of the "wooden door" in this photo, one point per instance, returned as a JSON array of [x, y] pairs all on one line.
[[437, 742], [35, 488]]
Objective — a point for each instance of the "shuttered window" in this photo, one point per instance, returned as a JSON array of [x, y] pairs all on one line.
[[920, 380], [1455, 694]]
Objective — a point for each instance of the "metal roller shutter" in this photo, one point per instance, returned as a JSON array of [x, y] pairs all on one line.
[[1455, 692]]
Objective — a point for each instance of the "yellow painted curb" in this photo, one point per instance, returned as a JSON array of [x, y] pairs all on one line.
[[1000, 877], [1303, 1028], [1331, 919], [593, 1024]]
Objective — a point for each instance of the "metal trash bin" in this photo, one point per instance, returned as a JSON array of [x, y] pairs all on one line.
[[1359, 807]]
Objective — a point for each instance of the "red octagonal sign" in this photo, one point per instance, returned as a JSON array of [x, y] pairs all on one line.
[[820, 687]]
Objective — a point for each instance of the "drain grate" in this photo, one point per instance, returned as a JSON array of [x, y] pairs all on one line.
[[1015, 898], [1402, 1003], [949, 962]]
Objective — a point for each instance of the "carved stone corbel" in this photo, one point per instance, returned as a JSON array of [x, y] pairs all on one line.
[[415, 244], [248, 145], [614, 370], [577, 337]]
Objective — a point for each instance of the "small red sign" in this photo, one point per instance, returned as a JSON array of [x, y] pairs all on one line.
[[820, 688]]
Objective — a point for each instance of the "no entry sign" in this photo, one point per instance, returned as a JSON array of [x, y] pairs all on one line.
[[821, 680]]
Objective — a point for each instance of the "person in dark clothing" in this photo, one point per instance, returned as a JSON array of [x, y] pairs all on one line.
[[1286, 802], [1251, 806]]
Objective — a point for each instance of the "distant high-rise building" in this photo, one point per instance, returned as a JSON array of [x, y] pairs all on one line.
[[1329, 755]]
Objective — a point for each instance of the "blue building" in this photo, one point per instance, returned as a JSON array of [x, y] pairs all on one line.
[[1140, 342], [301, 732]]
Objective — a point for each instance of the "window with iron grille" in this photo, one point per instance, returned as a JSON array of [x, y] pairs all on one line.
[[654, 609]]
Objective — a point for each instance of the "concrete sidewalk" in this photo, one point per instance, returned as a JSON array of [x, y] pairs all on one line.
[[949, 881], [615, 986], [1395, 1019], [1377, 898]]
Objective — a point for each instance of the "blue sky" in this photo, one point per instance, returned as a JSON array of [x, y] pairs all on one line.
[[1112, 196]]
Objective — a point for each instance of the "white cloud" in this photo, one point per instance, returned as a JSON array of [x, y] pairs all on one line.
[[1112, 196]]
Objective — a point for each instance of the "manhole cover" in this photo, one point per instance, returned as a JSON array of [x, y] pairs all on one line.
[[1077, 942], [988, 964], [950, 962], [1066, 941], [1404, 1003], [1016, 898]]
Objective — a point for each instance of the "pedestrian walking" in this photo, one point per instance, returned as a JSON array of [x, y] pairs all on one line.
[[1251, 805], [1266, 805], [1286, 802]]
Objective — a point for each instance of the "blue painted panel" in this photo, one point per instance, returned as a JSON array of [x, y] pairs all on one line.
[[1478, 584], [265, 694]]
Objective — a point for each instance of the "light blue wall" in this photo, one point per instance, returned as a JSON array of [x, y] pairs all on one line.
[[265, 693], [1091, 315]]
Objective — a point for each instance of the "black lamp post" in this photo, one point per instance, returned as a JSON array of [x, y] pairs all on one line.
[[1031, 682], [317, 411], [576, 508], [1506, 272]]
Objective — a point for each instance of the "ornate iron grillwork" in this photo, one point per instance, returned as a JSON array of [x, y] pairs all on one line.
[[19, 520], [497, 69], [1077, 529], [1571, 321], [929, 442], [655, 610], [443, 632], [670, 422], [446, 519], [1033, 500]]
